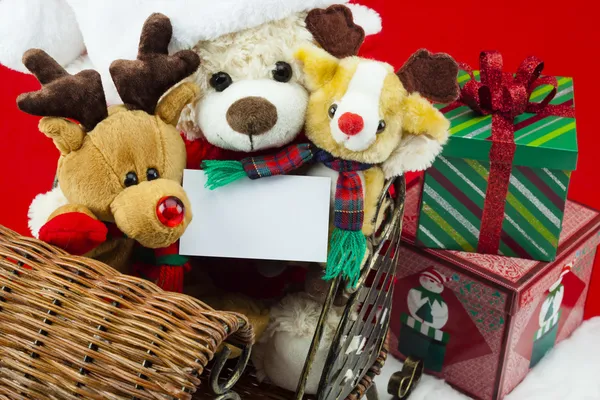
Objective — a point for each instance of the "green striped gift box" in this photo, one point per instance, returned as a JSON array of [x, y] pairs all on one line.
[[454, 190]]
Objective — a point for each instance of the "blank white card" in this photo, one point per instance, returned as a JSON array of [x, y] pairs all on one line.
[[275, 218]]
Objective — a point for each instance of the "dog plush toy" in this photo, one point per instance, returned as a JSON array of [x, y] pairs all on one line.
[[365, 123], [121, 166]]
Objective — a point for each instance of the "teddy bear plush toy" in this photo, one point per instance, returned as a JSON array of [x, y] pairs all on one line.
[[365, 123], [120, 167]]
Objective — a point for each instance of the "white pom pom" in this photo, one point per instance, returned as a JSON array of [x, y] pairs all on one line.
[[42, 206]]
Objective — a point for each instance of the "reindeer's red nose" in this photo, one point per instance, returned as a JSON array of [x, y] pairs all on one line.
[[170, 211], [351, 124]]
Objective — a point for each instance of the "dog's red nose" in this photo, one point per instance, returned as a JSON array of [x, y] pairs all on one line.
[[351, 124], [170, 211]]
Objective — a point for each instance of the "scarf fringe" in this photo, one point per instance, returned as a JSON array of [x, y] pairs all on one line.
[[347, 250], [222, 173]]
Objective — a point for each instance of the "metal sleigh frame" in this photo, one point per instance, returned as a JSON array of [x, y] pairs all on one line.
[[372, 308]]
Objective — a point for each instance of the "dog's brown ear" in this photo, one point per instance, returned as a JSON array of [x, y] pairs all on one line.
[[335, 31], [433, 76]]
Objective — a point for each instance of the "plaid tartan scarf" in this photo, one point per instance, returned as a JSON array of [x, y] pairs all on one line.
[[348, 203]]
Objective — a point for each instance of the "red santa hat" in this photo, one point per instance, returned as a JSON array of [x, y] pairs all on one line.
[[434, 275]]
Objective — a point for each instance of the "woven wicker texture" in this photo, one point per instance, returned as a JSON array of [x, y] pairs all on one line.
[[71, 327]]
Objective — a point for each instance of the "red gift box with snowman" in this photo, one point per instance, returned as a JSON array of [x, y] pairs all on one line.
[[481, 322]]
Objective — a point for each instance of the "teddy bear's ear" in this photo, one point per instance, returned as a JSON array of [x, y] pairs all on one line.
[[434, 76], [318, 65]]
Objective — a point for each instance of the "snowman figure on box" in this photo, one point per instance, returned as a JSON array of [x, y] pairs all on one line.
[[421, 336], [425, 303], [549, 316]]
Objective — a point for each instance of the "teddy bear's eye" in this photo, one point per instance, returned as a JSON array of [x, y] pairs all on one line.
[[220, 81], [332, 110], [131, 179], [381, 126], [282, 72], [152, 174]]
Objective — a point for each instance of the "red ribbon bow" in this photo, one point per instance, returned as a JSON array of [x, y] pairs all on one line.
[[505, 96]]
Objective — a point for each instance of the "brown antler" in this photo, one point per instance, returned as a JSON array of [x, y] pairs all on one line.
[[431, 75], [142, 82], [335, 31], [79, 97]]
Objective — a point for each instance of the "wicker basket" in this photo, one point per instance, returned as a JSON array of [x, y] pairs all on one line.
[[73, 328]]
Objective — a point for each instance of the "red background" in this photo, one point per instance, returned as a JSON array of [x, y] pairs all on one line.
[[565, 35]]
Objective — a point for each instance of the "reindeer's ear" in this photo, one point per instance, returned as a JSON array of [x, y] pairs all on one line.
[[434, 76], [171, 105], [67, 136], [319, 66]]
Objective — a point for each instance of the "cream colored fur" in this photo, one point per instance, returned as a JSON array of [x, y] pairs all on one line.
[[249, 57]]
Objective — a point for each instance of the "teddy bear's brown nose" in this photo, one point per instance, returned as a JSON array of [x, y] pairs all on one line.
[[252, 116]]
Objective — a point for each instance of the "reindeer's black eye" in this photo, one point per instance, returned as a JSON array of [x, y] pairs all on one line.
[[332, 110], [152, 174], [131, 179], [220, 81], [381, 126], [282, 72]]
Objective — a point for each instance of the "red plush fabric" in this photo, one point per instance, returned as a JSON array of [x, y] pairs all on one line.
[[76, 233]]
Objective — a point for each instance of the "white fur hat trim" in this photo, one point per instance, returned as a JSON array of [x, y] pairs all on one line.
[[111, 29]]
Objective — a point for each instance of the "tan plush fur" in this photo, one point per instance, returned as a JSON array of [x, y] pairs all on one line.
[[93, 167], [374, 181]]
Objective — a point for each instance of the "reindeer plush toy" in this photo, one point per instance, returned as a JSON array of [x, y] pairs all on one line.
[[365, 123], [120, 168]]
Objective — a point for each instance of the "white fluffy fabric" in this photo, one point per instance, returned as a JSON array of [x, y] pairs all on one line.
[[283, 348], [42, 206], [46, 24], [367, 18], [111, 29], [414, 153], [569, 372]]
